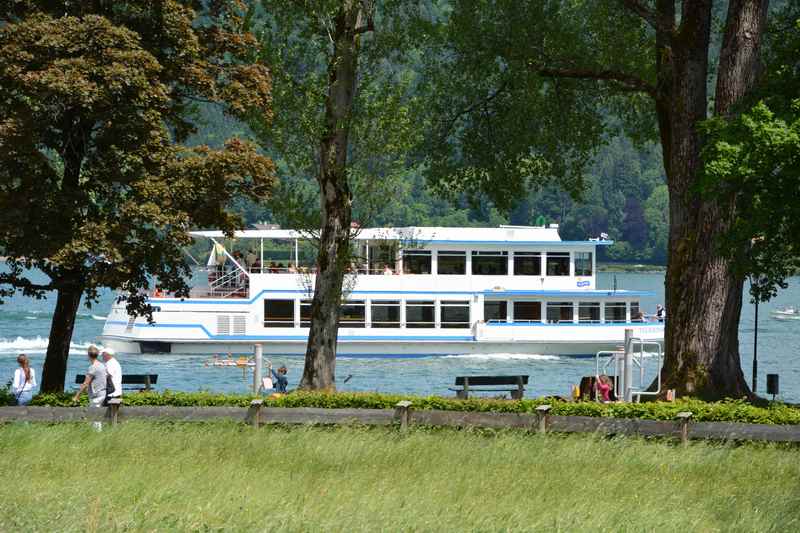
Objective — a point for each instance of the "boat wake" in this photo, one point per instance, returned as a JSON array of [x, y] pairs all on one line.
[[34, 345], [506, 356]]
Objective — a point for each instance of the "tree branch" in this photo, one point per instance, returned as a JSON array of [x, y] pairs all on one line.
[[627, 82], [365, 22], [25, 284], [648, 15]]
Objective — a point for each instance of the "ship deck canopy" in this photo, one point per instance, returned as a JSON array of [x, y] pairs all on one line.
[[521, 235]]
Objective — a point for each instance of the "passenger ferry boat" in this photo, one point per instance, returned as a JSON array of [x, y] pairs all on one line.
[[410, 292]]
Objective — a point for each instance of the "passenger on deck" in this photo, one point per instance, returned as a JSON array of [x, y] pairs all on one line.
[[250, 260], [273, 269], [604, 387], [661, 313], [387, 271], [292, 269]]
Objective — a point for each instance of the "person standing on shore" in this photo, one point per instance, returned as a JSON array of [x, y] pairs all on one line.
[[95, 381], [24, 381], [114, 371]]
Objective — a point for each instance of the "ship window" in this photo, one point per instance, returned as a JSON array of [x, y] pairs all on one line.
[[352, 315], [305, 313], [558, 263], [420, 315], [381, 256], [490, 263], [558, 312], [385, 313], [527, 264], [583, 263], [589, 312], [495, 311], [416, 262], [615, 311], [278, 313], [527, 311], [452, 263], [636, 313], [455, 314]]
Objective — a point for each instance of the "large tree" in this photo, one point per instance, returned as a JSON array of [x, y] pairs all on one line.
[[346, 121], [94, 190], [530, 88], [756, 157]]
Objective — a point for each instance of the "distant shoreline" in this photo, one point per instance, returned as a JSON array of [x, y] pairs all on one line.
[[631, 267]]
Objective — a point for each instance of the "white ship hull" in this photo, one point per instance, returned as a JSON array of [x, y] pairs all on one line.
[[573, 340]]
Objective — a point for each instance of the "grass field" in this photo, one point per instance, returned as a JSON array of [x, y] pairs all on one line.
[[145, 476]]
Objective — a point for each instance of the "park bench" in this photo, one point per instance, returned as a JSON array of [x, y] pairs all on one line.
[[513, 384], [143, 382]]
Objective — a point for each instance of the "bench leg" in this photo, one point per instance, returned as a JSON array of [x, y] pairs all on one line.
[[516, 394], [462, 395]]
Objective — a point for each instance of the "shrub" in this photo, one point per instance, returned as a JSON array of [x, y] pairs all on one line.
[[726, 411]]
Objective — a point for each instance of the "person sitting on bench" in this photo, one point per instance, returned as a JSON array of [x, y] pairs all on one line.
[[604, 387]]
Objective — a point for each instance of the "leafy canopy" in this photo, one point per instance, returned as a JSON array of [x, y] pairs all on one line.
[[521, 92], [296, 45], [93, 189], [756, 157]]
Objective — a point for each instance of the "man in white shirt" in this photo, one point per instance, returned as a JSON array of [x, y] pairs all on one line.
[[114, 370]]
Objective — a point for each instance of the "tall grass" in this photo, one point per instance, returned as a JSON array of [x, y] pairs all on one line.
[[146, 476]]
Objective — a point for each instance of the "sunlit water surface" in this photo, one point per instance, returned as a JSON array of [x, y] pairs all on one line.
[[25, 324]]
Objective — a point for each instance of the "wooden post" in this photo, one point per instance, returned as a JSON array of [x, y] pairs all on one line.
[[520, 390], [147, 382], [113, 410], [402, 412], [255, 413], [258, 354], [466, 387], [541, 418], [684, 417]]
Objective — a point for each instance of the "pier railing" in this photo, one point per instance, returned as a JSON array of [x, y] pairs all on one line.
[[403, 416]]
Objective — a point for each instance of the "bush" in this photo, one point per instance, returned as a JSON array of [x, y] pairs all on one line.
[[726, 411]]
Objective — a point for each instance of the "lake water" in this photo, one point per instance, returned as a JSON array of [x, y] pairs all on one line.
[[25, 324]]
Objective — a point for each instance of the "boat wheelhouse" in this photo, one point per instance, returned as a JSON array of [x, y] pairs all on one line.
[[418, 291]]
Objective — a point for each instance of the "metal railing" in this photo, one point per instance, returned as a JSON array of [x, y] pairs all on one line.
[[624, 362]]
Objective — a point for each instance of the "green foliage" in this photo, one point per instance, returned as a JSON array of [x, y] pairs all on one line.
[[93, 98], [503, 117], [296, 45], [754, 160], [726, 411]]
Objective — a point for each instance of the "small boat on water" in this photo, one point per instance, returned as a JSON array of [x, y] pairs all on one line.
[[786, 313]]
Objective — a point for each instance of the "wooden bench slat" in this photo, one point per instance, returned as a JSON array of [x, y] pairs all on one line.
[[127, 379], [491, 380]]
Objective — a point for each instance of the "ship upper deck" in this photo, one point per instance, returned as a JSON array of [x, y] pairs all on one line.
[[418, 259]]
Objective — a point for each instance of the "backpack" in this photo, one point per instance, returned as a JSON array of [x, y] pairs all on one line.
[[110, 389]]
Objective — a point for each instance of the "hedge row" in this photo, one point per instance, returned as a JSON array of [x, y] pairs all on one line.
[[726, 411]]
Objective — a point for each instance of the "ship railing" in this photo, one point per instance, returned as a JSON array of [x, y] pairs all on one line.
[[232, 284], [612, 364]]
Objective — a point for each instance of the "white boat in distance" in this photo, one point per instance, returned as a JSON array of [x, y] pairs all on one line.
[[786, 313], [418, 291]]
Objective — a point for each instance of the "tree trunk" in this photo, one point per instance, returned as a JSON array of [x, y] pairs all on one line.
[[336, 203], [703, 295], [54, 372]]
